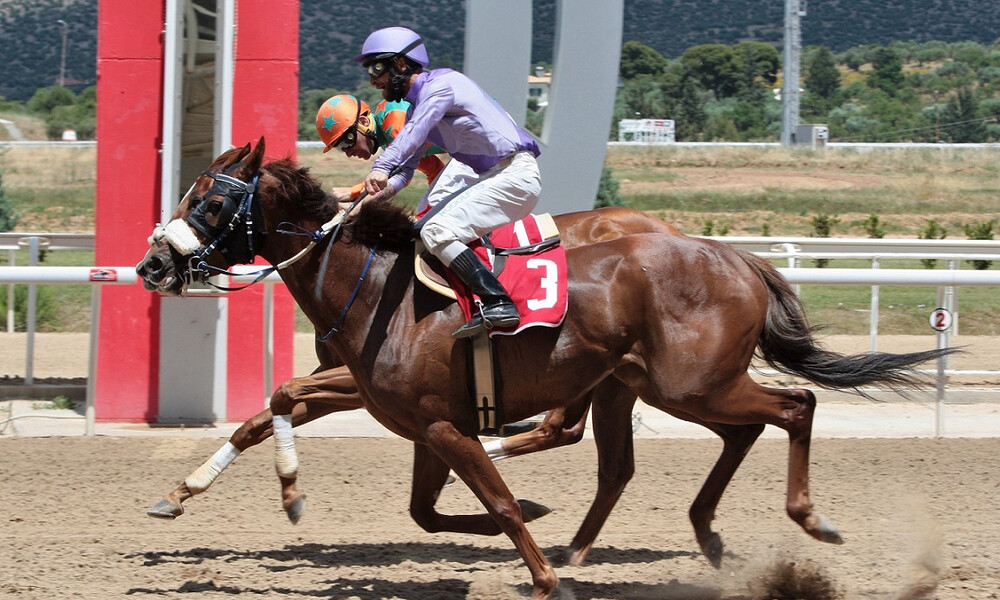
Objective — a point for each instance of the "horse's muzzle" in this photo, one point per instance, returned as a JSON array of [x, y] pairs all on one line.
[[159, 275]]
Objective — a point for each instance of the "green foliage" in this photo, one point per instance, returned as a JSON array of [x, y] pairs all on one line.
[[8, 216], [716, 68], [823, 225], [960, 118], [46, 308], [887, 71], [62, 109], [822, 76], [57, 403], [607, 190], [933, 231], [873, 227], [980, 231], [639, 59], [709, 228]]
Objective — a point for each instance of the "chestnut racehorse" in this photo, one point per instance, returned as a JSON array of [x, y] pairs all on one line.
[[331, 388], [671, 319]]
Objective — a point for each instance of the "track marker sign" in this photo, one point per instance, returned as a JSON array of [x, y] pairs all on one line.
[[940, 319]]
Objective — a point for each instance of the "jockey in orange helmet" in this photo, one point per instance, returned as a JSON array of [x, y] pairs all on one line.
[[347, 123]]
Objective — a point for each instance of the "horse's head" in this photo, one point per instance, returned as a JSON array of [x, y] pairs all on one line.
[[218, 223]]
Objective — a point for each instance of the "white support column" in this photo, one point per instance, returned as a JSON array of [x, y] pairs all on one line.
[[588, 41]]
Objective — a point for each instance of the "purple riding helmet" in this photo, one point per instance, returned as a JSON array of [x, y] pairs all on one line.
[[383, 45]]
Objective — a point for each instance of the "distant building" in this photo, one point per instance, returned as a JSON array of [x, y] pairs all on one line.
[[538, 86]]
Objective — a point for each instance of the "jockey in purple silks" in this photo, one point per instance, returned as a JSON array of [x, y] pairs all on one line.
[[492, 179]]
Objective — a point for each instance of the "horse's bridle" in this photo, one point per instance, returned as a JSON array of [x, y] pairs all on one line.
[[237, 209]]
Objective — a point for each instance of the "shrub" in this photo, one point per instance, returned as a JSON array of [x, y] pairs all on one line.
[[46, 310], [933, 231], [607, 190], [980, 231]]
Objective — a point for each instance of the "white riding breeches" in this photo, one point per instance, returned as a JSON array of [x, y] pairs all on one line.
[[486, 201]]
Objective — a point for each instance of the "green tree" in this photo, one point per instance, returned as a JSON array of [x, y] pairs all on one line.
[[716, 67], [640, 59], [47, 99], [760, 62], [823, 78], [960, 117], [691, 116], [887, 71]]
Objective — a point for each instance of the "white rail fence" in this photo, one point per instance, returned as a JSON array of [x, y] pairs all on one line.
[[794, 250]]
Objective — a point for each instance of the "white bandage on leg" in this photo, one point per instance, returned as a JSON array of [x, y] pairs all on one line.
[[494, 449], [202, 477], [181, 237], [286, 461]]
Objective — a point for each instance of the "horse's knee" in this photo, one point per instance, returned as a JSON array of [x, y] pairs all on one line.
[[616, 477], [283, 397]]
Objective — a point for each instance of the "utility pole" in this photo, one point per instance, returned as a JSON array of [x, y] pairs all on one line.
[[62, 61], [794, 10]]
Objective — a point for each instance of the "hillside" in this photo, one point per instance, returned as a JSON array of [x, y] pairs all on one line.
[[333, 30]]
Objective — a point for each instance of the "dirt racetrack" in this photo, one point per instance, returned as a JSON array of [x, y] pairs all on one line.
[[920, 518]]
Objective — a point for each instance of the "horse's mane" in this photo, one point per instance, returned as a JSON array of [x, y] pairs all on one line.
[[299, 189], [385, 223], [373, 222]]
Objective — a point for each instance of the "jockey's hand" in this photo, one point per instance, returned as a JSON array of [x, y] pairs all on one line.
[[376, 182], [341, 195]]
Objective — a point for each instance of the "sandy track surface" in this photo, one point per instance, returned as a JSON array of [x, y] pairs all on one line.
[[919, 516]]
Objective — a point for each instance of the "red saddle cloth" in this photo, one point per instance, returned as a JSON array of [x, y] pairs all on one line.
[[537, 283]]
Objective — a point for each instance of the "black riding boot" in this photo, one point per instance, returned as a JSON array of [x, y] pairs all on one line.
[[497, 309]]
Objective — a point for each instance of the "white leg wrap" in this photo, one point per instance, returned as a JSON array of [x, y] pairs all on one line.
[[494, 449], [202, 477], [286, 461]]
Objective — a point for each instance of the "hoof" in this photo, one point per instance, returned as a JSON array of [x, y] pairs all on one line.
[[165, 509], [712, 550], [295, 508], [824, 530], [532, 510]]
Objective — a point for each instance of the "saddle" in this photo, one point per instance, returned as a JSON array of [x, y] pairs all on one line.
[[529, 261], [527, 258]]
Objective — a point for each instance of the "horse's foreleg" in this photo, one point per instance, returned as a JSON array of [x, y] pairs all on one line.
[[612, 422], [299, 401], [466, 456]]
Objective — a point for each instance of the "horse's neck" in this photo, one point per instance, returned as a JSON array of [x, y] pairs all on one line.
[[325, 295]]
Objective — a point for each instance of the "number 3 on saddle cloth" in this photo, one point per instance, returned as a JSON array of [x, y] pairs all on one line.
[[527, 259]]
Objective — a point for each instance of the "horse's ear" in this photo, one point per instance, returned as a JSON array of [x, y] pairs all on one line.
[[253, 162]]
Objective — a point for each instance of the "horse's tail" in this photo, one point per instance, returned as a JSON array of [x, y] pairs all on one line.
[[788, 344]]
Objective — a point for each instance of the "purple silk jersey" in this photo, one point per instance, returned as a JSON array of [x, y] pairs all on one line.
[[453, 112]]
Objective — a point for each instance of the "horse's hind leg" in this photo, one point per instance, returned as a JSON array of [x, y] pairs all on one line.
[[612, 422], [737, 441], [748, 403], [798, 423], [562, 426]]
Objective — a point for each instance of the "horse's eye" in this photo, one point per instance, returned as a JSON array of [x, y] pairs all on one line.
[[214, 207]]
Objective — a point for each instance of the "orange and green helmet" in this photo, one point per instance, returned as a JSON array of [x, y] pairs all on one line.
[[337, 117]]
